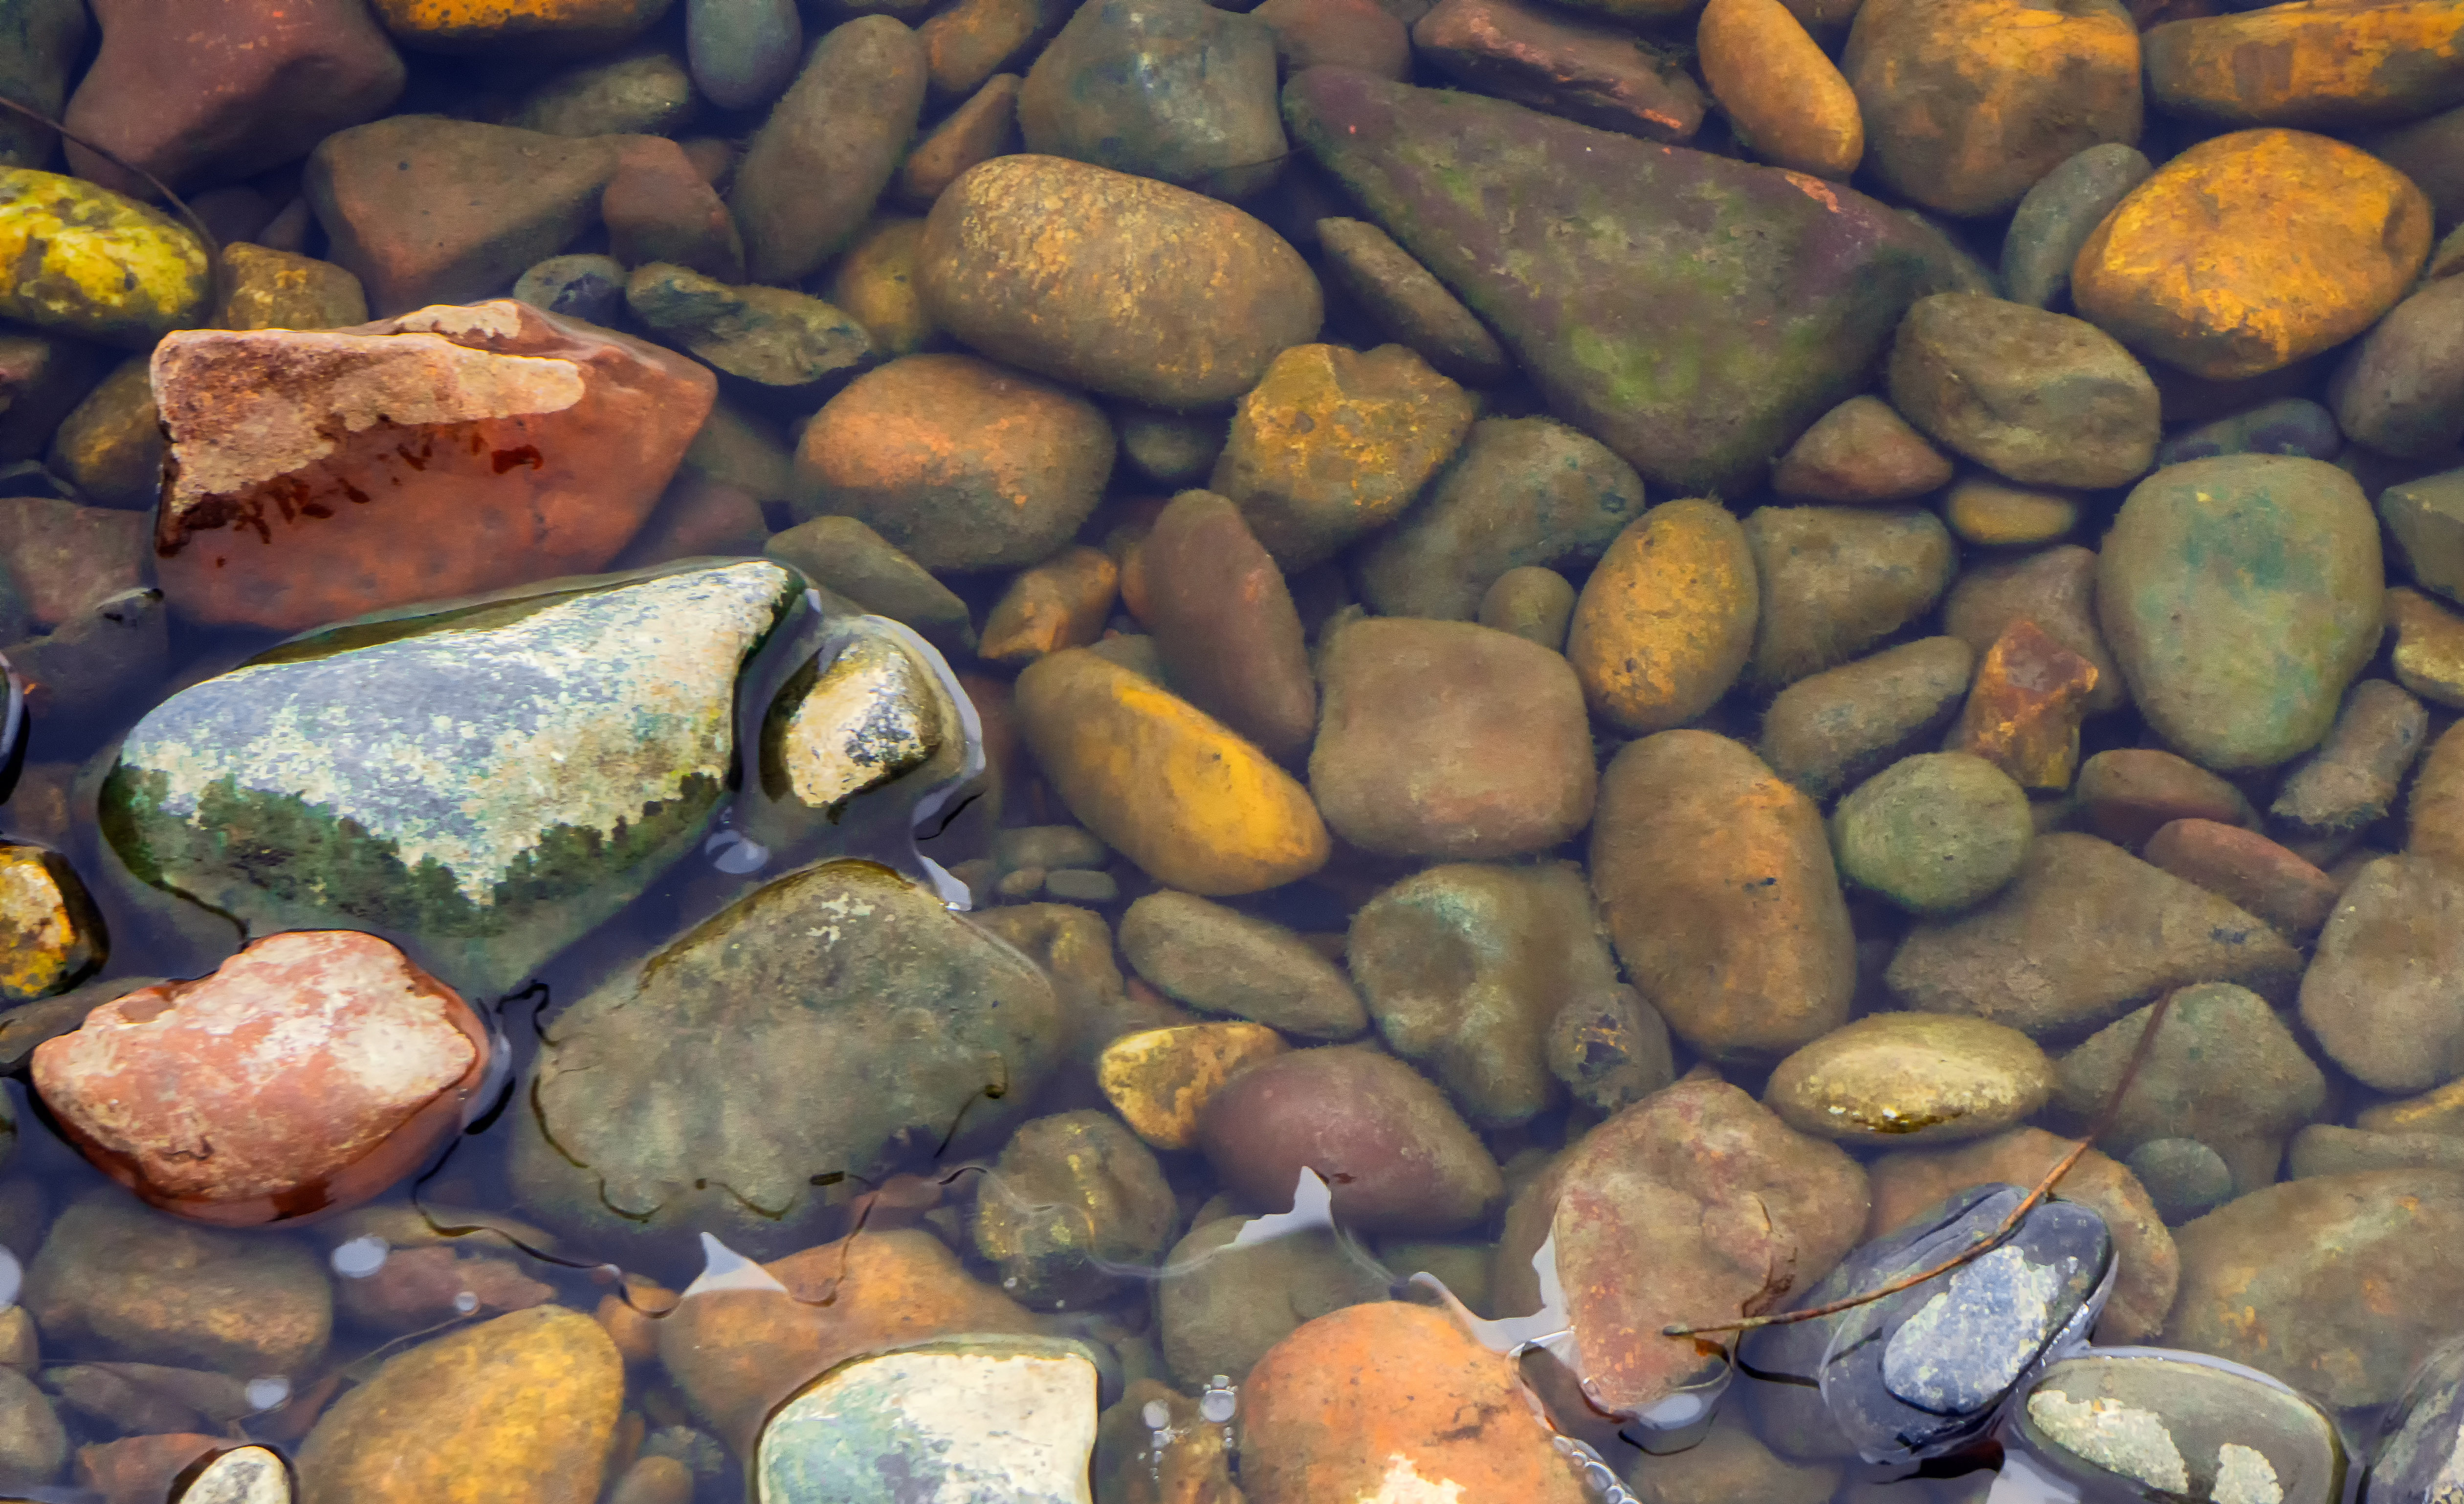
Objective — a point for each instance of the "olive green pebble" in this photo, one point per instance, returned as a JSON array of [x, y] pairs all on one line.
[[1933, 833], [2185, 1178]]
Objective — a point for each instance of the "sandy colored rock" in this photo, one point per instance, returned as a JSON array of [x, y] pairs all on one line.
[[1393, 1401], [2039, 397], [959, 463], [1029, 259], [1908, 1182], [1862, 450], [311, 1072], [2386, 994], [1784, 99], [2435, 808], [2253, 250], [1218, 960], [1915, 1077], [1449, 739], [2083, 933], [443, 453], [1715, 880], [1992, 514], [1163, 783], [1160, 1081], [1836, 580], [1666, 621], [1333, 443], [2295, 1280], [2428, 656], [1967, 102]]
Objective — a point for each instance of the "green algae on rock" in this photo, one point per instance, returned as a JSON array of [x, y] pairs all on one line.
[[1693, 313], [2241, 595], [484, 781], [87, 261], [814, 1034]]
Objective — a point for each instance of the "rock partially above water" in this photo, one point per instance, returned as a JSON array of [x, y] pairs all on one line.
[[1714, 310], [2156, 1425], [308, 1073], [417, 774], [842, 988], [321, 474]]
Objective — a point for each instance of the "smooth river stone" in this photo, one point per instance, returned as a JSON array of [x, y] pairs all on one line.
[[1911, 1078], [422, 774], [1711, 309], [2168, 1426], [2241, 595]]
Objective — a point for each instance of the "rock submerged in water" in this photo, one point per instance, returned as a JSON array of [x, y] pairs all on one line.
[[2157, 1424], [413, 773]]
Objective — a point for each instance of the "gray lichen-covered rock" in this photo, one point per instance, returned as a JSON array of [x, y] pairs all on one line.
[[489, 780], [2169, 1426], [808, 1038]]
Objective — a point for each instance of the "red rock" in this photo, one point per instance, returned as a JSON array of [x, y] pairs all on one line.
[[1338, 34], [2253, 873], [1598, 75], [698, 517], [140, 1469], [424, 209], [660, 208], [65, 557], [321, 474], [2131, 792], [305, 1074], [188, 91], [2023, 712], [416, 1288], [1225, 621]]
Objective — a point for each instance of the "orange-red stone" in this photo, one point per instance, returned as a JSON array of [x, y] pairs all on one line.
[[2024, 710], [317, 476]]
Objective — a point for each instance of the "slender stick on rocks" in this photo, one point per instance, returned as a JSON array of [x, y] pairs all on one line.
[[214, 247], [1983, 1245]]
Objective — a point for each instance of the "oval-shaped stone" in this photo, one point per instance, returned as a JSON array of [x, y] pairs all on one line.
[[2326, 63], [1034, 259], [488, 781], [2250, 251], [2168, 1425], [87, 261], [1934, 833], [1666, 621], [1923, 1372], [529, 1400], [552, 28], [2421, 1441], [52, 937], [2240, 596], [1913, 1077], [1784, 99], [1163, 783]]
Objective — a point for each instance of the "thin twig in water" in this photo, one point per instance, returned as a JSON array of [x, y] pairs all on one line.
[[1992, 1240], [214, 247]]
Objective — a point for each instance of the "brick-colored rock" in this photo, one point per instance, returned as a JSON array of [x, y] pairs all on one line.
[[1579, 69], [306, 1075], [2248, 870], [440, 454], [2023, 712], [2129, 793], [1225, 622]]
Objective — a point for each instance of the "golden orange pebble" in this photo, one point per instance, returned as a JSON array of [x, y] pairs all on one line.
[[1667, 619], [2326, 63], [2253, 250], [1784, 99], [1160, 1080], [472, 23]]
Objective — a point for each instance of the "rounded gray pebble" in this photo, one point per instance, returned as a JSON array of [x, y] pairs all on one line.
[[1934, 833], [2185, 1178]]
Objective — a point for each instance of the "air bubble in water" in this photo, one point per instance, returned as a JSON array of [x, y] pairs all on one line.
[[265, 1393], [1157, 1415], [360, 1257], [465, 1302], [1219, 1401], [12, 1278]]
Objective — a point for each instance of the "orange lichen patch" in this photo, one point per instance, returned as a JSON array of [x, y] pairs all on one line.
[[2024, 710], [1783, 96], [1160, 1081], [459, 25], [2253, 250], [1165, 783], [1394, 1404], [1061, 603], [51, 936], [2315, 62], [737, 1353], [1666, 622], [1332, 443], [1967, 102]]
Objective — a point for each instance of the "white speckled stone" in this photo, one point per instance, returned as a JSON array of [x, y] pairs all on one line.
[[2162, 1426]]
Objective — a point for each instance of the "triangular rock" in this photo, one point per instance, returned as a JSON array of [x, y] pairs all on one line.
[[1693, 313]]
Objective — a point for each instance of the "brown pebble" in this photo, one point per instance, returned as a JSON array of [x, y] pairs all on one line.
[[1532, 603], [1061, 603], [985, 126], [1340, 33], [2436, 807], [2351, 780], [1834, 730], [2253, 873], [1861, 452], [2129, 793], [1409, 304], [659, 207], [1224, 622]]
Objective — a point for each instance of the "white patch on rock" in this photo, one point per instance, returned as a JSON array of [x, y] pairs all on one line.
[[245, 1475], [2245, 1476], [1402, 1484], [2120, 1438], [1970, 1342], [499, 318], [980, 1426], [246, 406], [634, 677]]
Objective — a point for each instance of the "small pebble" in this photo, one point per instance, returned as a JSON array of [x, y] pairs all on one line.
[[1076, 885], [1934, 833], [2183, 1177]]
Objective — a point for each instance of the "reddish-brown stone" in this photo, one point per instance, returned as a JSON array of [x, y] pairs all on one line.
[[1598, 75], [1337, 34], [2253, 873], [984, 126], [660, 208], [65, 557], [419, 1287], [321, 474], [2023, 712], [304, 1076], [219, 89], [1061, 603], [699, 516], [140, 1469], [1224, 622], [2130, 794]]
